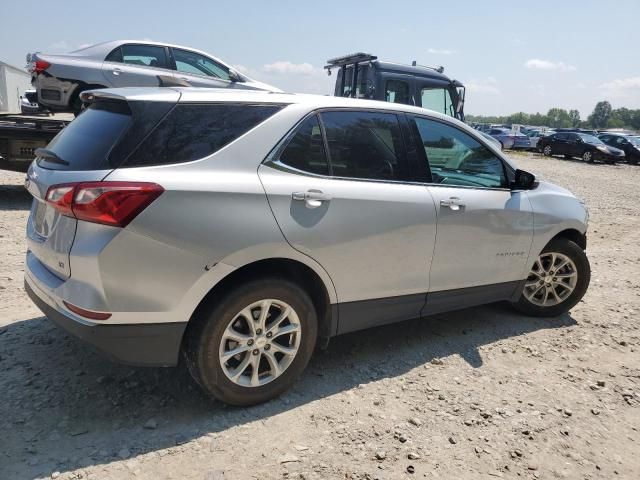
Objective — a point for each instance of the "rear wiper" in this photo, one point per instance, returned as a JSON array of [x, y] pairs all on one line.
[[50, 156]]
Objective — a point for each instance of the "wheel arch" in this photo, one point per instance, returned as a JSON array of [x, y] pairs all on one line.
[[574, 235], [285, 268]]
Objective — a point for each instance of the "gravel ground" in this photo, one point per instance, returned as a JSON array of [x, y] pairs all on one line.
[[479, 393]]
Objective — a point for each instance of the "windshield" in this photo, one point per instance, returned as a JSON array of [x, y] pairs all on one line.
[[634, 140], [590, 139]]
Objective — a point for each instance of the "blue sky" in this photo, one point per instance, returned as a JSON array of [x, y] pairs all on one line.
[[512, 56]]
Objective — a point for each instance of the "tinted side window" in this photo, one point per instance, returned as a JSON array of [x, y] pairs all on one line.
[[191, 62], [145, 56], [456, 158], [561, 136], [365, 145], [193, 131], [397, 92], [305, 150]]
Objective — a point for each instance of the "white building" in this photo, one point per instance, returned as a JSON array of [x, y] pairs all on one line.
[[13, 83]]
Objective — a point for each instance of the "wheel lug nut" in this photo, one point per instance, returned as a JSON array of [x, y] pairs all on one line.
[[250, 342], [267, 346], [255, 352], [259, 331], [269, 334]]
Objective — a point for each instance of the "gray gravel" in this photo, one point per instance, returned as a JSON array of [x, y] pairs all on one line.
[[480, 393]]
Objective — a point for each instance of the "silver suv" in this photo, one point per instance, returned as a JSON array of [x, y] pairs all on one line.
[[60, 79], [244, 228]]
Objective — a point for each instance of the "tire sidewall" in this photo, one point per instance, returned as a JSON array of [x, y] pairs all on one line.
[[580, 260], [208, 368]]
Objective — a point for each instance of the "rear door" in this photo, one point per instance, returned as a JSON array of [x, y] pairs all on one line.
[[136, 65], [346, 200], [484, 229], [559, 144], [199, 70]]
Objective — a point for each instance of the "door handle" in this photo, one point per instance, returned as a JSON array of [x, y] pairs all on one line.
[[116, 71], [453, 203], [311, 198]]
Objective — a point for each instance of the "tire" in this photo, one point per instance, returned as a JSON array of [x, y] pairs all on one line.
[[567, 249], [208, 337], [587, 156], [547, 150]]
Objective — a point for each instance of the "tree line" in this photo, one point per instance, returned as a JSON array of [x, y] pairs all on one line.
[[603, 116]]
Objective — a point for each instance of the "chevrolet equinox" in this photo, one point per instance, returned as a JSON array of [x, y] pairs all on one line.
[[240, 229]]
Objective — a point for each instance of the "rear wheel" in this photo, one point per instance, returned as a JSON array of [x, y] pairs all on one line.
[[587, 156], [547, 150], [557, 281], [253, 344]]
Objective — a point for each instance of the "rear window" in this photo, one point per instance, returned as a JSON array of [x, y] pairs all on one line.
[[85, 143], [194, 131]]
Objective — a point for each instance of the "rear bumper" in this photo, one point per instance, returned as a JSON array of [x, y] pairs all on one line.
[[155, 344], [54, 92]]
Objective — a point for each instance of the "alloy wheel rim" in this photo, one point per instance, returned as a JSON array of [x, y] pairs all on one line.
[[547, 150], [587, 156], [552, 279], [260, 343]]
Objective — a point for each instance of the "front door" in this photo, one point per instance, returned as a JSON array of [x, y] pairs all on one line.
[[484, 229], [200, 71], [353, 211]]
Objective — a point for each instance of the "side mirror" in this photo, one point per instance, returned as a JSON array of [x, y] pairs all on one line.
[[523, 181], [235, 76]]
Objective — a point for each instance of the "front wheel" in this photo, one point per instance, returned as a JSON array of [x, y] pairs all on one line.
[[557, 281], [252, 344], [547, 150]]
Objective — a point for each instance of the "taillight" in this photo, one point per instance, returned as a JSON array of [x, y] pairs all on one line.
[[108, 203], [40, 66]]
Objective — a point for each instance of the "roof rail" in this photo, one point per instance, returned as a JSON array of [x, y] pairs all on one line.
[[349, 59]]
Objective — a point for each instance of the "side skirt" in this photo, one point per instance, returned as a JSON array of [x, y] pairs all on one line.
[[363, 314]]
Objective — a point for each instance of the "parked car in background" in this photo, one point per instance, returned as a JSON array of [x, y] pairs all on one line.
[[535, 136], [628, 143], [29, 103], [60, 79], [587, 147], [509, 139], [494, 141], [131, 250]]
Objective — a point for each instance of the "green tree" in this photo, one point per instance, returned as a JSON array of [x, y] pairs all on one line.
[[558, 117], [601, 114], [574, 118]]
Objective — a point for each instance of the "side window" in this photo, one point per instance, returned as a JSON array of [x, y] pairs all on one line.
[[365, 145], [620, 141], [561, 136], [114, 56], [194, 131], [305, 150], [456, 158], [144, 56], [438, 100], [397, 91], [194, 63]]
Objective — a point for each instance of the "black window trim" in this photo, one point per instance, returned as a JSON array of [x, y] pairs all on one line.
[[508, 170], [175, 66], [272, 160], [167, 58]]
